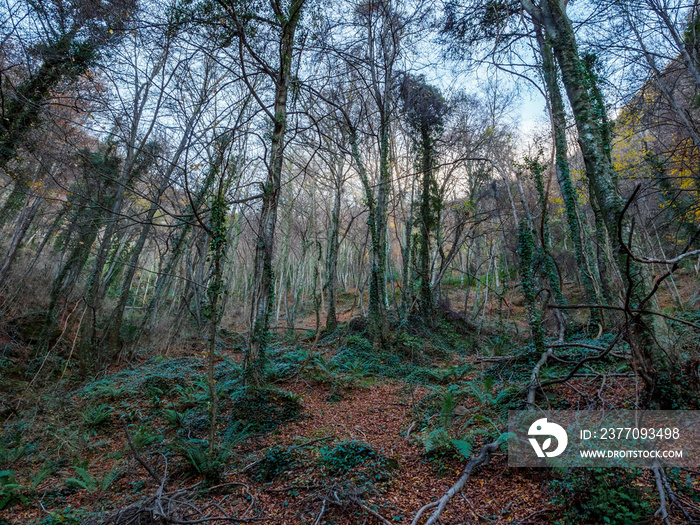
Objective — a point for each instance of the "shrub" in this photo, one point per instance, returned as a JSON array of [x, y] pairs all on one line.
[[275, 461], [154, 385], [368, 465], [285, 362], [422, 376], [345, 456], [593, 496], [263, 409], [685, 483]]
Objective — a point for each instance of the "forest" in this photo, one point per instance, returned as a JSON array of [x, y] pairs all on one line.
[[289, 262]]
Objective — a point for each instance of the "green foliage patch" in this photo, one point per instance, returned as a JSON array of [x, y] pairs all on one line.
[[263, 409], [275, 461], [601, 496], [98, 416], [11, 492], [437, 442], [366, 464], [196, 459]]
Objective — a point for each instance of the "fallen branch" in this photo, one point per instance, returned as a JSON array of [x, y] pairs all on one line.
[[534, 378], [410, 428], [497, 358], [576, 345], [291, 487], [138, 458], [624, 309], [532, 515], [340, 496], [479, 516], [482, 459], [317, 521], [370, 511], [176, 507], [581, 362]]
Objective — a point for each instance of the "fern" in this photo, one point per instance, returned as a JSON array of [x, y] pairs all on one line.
[[110, 477], [463, 447], [195, 452], [144, 438], [190, 396], [437, 441], [83, 480], [97, 416], [236, 433], [11, 492], [10, 455], [44, 472], [175, 418], [448, 407]]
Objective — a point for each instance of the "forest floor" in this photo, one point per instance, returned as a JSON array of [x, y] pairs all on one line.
[[341, 437], [376, 414]]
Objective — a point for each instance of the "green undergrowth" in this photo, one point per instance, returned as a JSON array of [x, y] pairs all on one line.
[[357, 460], [349, 468], [164, 405], [264, 409], [451, 422], [413, 353], [345, 360], [609, 496], [274, 463], [66, 431], [344, 460]]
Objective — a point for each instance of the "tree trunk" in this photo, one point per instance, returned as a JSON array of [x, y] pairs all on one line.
[[426, 226], [558, 119], [25, 220], [331, 284], [112, 337], [377, 317], [263, 279], [551, 14], [407, 287], [380, 252]]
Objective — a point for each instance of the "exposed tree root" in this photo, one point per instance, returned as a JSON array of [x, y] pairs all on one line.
[[482, 459], [663, 510], [662, 485]]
